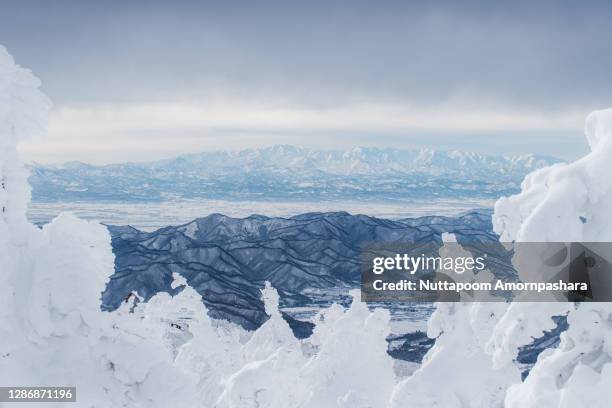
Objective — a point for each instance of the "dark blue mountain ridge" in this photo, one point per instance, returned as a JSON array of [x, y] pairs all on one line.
[[312, 259], [228, 260]]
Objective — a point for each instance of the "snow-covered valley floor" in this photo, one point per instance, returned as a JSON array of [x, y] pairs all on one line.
[[150, 216]]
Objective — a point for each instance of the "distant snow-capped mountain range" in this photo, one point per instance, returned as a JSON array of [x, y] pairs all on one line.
[[290, 172]]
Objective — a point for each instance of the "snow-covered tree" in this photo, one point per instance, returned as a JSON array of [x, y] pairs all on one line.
[[457, 371], [565, 202], [349, 368], [51, 279]]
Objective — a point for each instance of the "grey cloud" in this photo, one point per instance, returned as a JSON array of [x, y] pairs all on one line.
[[545, 56]]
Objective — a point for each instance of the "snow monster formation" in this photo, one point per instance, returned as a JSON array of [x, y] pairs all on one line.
[[473, 362], [51, 328], [561, 203]]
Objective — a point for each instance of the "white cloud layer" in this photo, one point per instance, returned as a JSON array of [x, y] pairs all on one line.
[[136, 132]]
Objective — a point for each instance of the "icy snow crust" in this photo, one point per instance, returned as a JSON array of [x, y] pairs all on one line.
[[168, 353]]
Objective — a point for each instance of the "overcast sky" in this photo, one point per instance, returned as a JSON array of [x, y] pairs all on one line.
[[142, 80]]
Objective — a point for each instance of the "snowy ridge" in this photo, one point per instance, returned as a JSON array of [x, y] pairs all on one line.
[[291, 172]]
